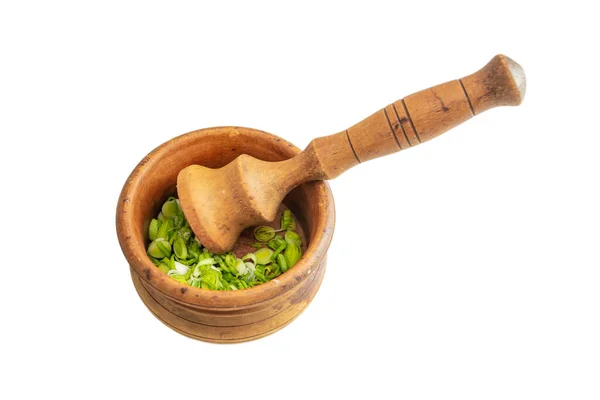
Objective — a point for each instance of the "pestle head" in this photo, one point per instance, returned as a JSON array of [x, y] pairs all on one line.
[[220, 203]]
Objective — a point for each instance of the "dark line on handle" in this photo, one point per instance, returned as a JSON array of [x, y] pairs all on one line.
[[392, 129], [400, 123], [411, 121], [352, 147], [467, 96]]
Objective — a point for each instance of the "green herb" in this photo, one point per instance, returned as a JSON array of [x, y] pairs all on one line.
[[278, 250], [282, 263], [286, 219], [180, 269], [240, 268], [153, 229], [191, 261], [264, 233], [277, 243], [165, 228], [177, 252], [171, 208], [250, 256], [155, 261], [292, 254], [292, 237], [263, 256], [180, 248], [230, 261], [164, 268], [159, 248]]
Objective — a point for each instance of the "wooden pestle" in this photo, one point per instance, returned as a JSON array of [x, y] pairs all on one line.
[[220, 203]]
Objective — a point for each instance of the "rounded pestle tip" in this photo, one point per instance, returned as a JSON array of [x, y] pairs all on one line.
[[518, 76]]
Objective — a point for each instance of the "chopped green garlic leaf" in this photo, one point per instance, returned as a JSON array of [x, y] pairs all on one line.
[[170, 208], [230, 261], [277, 251], [164, 268], [180, 248], [240, 267], [286, 219], [282, 263], [153, 229], [264, 233], [277, 242], [206, 261], [181, 269], [159, 248], [165, 229], [250, 256], [292, 254], [177, 252], [263, 256], [292, 237]]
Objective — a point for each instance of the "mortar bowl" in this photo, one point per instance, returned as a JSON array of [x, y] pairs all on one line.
[[221, 316]]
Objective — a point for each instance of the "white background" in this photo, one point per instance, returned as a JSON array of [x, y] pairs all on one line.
[[465, 268]]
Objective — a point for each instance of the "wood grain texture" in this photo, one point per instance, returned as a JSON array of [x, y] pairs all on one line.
[[436, 110], [373, 137], [500, 83], [220, 203], [221, 316], [231, 327]]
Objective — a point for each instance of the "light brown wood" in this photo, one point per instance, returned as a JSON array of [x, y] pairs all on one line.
[[220, 203], [230, 327], [222, 316]]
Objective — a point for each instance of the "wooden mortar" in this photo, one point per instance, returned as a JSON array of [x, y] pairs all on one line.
[[221, 316]]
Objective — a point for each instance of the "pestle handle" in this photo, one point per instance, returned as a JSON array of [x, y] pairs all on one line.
[[220, 203], [418, 118]]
